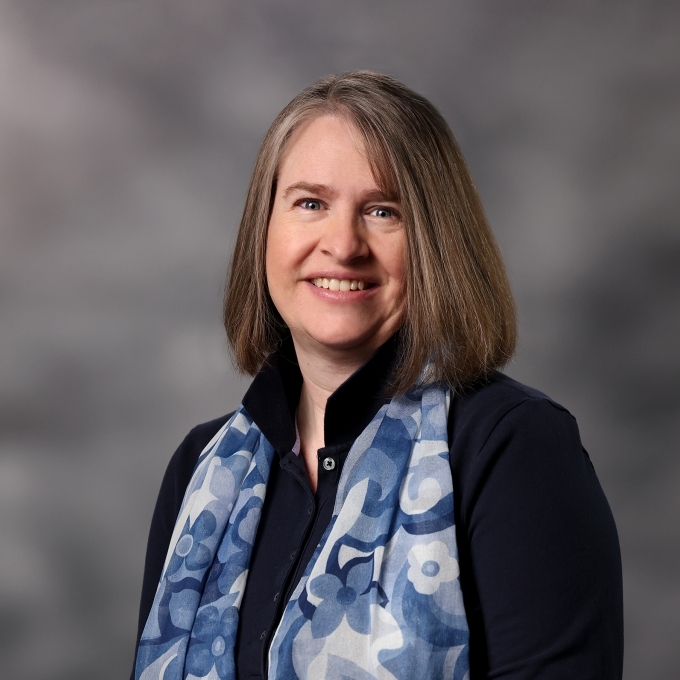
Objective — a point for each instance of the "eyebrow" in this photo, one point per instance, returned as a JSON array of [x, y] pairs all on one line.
[[319, 189], [324, 190]]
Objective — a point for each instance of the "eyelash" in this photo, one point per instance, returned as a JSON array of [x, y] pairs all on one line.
[[392, 212], [302, 202]]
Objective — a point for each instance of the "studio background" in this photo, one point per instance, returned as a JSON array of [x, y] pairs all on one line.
[[128, 132]]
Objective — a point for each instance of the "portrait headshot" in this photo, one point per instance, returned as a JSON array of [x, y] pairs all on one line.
[[339, 341]]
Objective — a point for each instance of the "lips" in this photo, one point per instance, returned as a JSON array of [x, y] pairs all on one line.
[[341, 284]]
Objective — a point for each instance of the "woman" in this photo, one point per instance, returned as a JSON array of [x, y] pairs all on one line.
[[384, 504]]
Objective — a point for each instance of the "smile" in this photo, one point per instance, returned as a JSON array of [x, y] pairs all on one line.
[[341, 284]]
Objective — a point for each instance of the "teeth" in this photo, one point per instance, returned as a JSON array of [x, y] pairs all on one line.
[[339, 284]]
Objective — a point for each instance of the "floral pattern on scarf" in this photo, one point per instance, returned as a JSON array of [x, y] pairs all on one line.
[[380, 598]]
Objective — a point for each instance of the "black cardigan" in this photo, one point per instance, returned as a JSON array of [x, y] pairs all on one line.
[[539, 556]]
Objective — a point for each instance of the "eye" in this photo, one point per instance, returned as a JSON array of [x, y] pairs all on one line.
[[310, 204], [385, 213]]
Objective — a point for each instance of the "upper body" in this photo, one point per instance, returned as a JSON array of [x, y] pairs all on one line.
[[364, 273], [538, 549]]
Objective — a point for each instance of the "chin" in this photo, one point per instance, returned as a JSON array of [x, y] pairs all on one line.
[[341, 339]]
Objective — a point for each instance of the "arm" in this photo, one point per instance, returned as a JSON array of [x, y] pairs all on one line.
[[541, 553], [170, 496]]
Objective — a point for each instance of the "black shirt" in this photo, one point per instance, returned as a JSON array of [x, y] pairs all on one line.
[[538, 550]]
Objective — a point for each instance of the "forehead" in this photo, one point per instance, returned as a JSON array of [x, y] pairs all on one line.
[[329, 142], [322, 138]]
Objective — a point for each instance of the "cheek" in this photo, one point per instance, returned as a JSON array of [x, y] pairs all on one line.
[[395, 265], [277, 240], [282, 257], [395, 260], [274, 257]]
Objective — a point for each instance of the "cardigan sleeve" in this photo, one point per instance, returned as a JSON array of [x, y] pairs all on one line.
[[540, 557], [174, 484]]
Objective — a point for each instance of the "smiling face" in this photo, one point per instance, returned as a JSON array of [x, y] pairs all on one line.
[[335, 245]]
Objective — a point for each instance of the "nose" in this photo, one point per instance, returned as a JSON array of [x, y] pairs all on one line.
[[344, 237]]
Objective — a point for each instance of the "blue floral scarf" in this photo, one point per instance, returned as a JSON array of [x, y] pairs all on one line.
[[380, 598]]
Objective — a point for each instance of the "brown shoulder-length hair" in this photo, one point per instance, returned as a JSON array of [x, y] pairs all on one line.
[[459, 320]]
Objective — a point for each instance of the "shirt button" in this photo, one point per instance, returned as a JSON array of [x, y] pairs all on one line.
[[292, 556], [309, 510], [328, 464], [276, 597], [264, 632]]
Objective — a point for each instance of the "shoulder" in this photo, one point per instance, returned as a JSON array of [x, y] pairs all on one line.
[[497, 394], [177, 476], [181, 465], [514, 438], [200, 435], [499, 402]]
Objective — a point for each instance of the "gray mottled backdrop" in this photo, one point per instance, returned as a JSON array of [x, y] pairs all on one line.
[[128, 130]]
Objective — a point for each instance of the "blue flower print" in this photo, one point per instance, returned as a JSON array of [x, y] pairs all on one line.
[[189, 549], [430, 565], [211, 642], [351, 598]]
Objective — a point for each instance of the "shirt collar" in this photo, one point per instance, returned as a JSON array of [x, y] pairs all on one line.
[[274, 394]]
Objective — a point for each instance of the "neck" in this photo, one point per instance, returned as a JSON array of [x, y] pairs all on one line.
[[322, 373]]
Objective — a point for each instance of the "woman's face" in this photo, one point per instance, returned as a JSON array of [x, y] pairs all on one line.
[[336, 244]]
